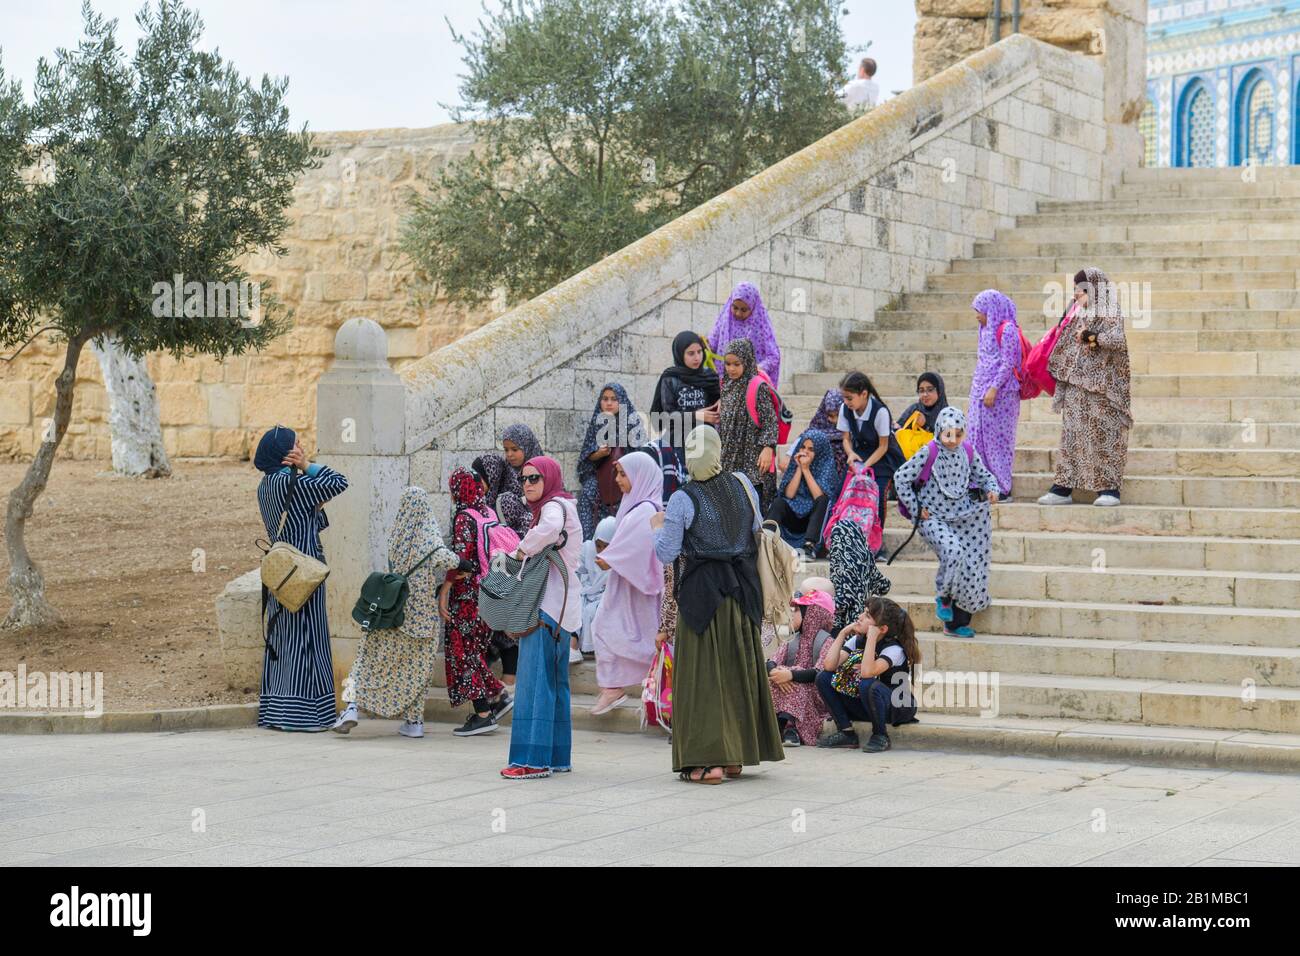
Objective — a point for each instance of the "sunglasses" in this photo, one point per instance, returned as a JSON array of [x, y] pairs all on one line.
[[531, 479]]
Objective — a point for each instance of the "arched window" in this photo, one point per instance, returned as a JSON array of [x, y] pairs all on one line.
[[1147, 127], [1255, 122], [1195, 126]]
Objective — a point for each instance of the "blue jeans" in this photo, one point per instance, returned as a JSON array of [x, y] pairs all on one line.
[[540, 731], [871, 703]]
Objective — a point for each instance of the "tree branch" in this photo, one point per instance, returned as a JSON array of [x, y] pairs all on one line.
[[48, 328]]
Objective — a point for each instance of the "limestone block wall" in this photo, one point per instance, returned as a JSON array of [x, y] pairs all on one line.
[[829, 235], [1111, 31], [342, 260]]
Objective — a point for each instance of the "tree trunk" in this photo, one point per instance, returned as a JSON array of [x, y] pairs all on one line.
[[133, 412], [26, 584]]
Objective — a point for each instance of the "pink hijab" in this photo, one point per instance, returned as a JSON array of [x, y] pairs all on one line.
[[552, 483], [631, 555]]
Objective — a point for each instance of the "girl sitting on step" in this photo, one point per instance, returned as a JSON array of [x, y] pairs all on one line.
[[944, 487], [867, 675]]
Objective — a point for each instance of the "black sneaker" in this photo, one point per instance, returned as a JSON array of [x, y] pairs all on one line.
[[503, 705], [841, 738], [878, 743], [810, 551], [791, 738], [474, 725]]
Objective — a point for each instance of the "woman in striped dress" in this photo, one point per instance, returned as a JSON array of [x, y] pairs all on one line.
[[297, 670]]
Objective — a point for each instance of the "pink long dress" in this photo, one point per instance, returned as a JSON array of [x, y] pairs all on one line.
[[625, 626]]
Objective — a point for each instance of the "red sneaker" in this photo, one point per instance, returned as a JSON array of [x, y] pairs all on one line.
[[525, 773]]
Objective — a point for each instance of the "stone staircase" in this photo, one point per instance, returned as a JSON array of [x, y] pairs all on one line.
[[1125, 633], [1155, 615]]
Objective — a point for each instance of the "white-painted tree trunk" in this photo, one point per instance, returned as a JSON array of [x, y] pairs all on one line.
[[133, 412]]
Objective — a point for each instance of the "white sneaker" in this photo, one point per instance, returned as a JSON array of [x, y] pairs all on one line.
[[1052, 498], [346, 720], [1106, 501], [575, 656], [411, 728]]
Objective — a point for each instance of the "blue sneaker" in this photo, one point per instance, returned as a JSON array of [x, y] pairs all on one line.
[[964, 631], [941, 610]]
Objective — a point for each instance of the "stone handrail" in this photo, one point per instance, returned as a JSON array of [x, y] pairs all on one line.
[[454, 384]]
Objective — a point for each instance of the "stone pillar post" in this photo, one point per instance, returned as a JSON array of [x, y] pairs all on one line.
[[361, 432]]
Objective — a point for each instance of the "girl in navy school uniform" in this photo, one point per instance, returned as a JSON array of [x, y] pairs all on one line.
[[868, 432]]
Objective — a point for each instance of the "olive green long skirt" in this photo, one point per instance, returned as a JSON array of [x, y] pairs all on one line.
[[722, 704]]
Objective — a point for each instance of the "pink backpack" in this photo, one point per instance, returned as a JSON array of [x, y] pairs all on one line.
[[1037, 377], [784, 417], [1030, 387], [657, 691], [859, 504], [491, 538]]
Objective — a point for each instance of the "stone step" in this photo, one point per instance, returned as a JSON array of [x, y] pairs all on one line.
[[1143, 386], [1190, 212], [1203, 227], [1269, 299], [1226, 187], [1139, 339], [1242, 363], [1192, 447], [1233, 411], [1145, 199], [1169, 552], [1149, 701], [1115, 265], [1188, 623], [1159, 282], [1136, 660], [1084, 251], [1129, 518], [1035, 323], [1084, 583], [1042, 737], [1168, 490], [1153, 177], [582, 679]]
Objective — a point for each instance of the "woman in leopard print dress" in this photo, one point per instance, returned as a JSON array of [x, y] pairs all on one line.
[[1092, 394]]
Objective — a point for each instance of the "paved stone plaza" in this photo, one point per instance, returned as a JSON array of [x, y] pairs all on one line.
[[376, 799]]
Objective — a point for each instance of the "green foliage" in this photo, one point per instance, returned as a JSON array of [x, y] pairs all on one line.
[[597, 121], [122, 173]]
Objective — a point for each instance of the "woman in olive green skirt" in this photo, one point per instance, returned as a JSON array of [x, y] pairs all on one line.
[[723, 718]]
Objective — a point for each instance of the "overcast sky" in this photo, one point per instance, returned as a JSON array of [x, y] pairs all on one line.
[[365, 64]]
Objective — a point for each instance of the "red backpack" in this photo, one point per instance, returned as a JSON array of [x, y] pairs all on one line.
[[784, 417], [1030, 387], [858, 503], [491, 538]]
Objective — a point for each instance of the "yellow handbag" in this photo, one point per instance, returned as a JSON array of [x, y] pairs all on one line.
[[912, 436], [287, 573]]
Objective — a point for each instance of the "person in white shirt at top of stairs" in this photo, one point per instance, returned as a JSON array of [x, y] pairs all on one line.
[[861, 92]]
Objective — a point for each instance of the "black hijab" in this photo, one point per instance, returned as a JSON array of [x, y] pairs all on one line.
[[699, 377], [933, 411]]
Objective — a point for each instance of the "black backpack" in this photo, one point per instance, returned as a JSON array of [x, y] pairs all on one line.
[[382, 604]]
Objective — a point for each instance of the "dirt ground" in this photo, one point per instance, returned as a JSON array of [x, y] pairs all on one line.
[[119, 560]]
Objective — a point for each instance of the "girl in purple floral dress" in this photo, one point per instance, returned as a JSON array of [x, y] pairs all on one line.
[[994, 410]]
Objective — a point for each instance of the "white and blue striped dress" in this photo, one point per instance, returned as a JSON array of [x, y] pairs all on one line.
[[298, 685]]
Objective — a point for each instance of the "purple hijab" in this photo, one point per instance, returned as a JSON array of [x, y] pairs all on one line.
[[757, 328]]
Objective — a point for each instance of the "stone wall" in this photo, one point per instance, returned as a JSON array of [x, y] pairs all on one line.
[[1111, 31], [831, 236], [342, 260]]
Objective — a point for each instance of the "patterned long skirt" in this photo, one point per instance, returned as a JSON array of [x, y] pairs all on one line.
[[1094, 440], [468, 675], [391, 674], [993, 433]]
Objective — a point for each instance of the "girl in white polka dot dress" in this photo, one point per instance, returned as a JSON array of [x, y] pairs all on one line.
[[954, 508]]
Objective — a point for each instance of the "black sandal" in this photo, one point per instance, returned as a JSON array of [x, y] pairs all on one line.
[[703, 777]]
